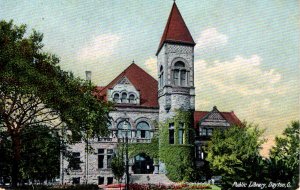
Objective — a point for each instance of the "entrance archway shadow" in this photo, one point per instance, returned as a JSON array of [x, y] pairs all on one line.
[[143, 164]]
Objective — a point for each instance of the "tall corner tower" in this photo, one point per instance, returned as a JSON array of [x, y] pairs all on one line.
[[175, 64]]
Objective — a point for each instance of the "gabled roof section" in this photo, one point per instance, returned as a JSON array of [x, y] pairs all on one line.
[[215, 114], [141, 80], [176, 30]]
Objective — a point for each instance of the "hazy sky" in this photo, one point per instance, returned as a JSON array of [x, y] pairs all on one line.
[[246, 57]]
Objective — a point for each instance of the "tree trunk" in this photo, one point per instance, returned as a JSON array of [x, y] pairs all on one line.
[[16, 147]]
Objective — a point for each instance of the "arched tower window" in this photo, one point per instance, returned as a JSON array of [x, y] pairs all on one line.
[[143, 130], [161, 76], [116, 97], [123, 128], [180, 74], [124, 97]]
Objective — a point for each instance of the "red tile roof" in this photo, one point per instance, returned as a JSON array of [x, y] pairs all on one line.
[[176, 30], [229, 116], [141, 80]]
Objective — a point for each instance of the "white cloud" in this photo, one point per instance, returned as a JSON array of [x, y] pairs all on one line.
[[211, 39], [151, 66], [240, 75], [99, 47]]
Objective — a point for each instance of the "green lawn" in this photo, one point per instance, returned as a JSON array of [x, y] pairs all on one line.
[[214, 187]]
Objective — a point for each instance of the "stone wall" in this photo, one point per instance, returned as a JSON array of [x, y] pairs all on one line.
[[90, 161]]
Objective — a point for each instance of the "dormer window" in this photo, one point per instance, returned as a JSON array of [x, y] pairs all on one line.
[[180, 74], [116, 97], [131, 99], [124, 97]]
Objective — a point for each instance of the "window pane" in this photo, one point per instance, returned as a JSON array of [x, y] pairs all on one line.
[[179, 64], [109, 161], [183, 77], [171, 136], [110, 151], [143, 126], [100, 161], [143, 129], [122, 129], [76, 180], [180, 136], [176, 76], [124, 98], [204, 132], [101, 151], [209, 132], [100, 180], [131, 98], [116, 97], [171, 133], [110, 180], [74, 163]]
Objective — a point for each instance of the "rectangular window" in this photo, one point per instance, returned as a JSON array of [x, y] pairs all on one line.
[[176, 77], [183, 78], [76, 180], [100, 158], [143, 134], [180, 136], [74, 163], [100, 161], [100, 180], [109, 157], [110, 180], [198, 152], [171, 133], [101, 151], [209, 132], [180, 133], [202, 131]]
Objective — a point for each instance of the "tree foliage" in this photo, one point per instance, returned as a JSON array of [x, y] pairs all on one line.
[[234, 154], [118, 163], [284, 156], [35, 91]]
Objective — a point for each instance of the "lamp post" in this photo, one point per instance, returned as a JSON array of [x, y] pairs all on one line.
[[125, 127]]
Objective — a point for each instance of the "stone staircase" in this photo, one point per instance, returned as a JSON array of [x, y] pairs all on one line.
[[150, 178]]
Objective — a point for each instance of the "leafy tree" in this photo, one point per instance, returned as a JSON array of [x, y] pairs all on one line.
[[234, 154], [284, 157], [118, 164], [34, 91], [40, 153]]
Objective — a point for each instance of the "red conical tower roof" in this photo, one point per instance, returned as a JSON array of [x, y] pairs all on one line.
[[176, 30]]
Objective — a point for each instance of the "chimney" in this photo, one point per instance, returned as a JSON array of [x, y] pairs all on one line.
[[88, 75]]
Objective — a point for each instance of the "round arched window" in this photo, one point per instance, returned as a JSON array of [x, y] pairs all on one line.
[[116, 97], [123, 128], [124, 97], [143, 130], [131, 98], [179, 64], [180, 74]]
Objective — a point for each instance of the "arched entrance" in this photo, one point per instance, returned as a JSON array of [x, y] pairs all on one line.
[[143, 164]]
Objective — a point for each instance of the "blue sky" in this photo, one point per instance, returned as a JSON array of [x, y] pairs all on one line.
[[246, 57]]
